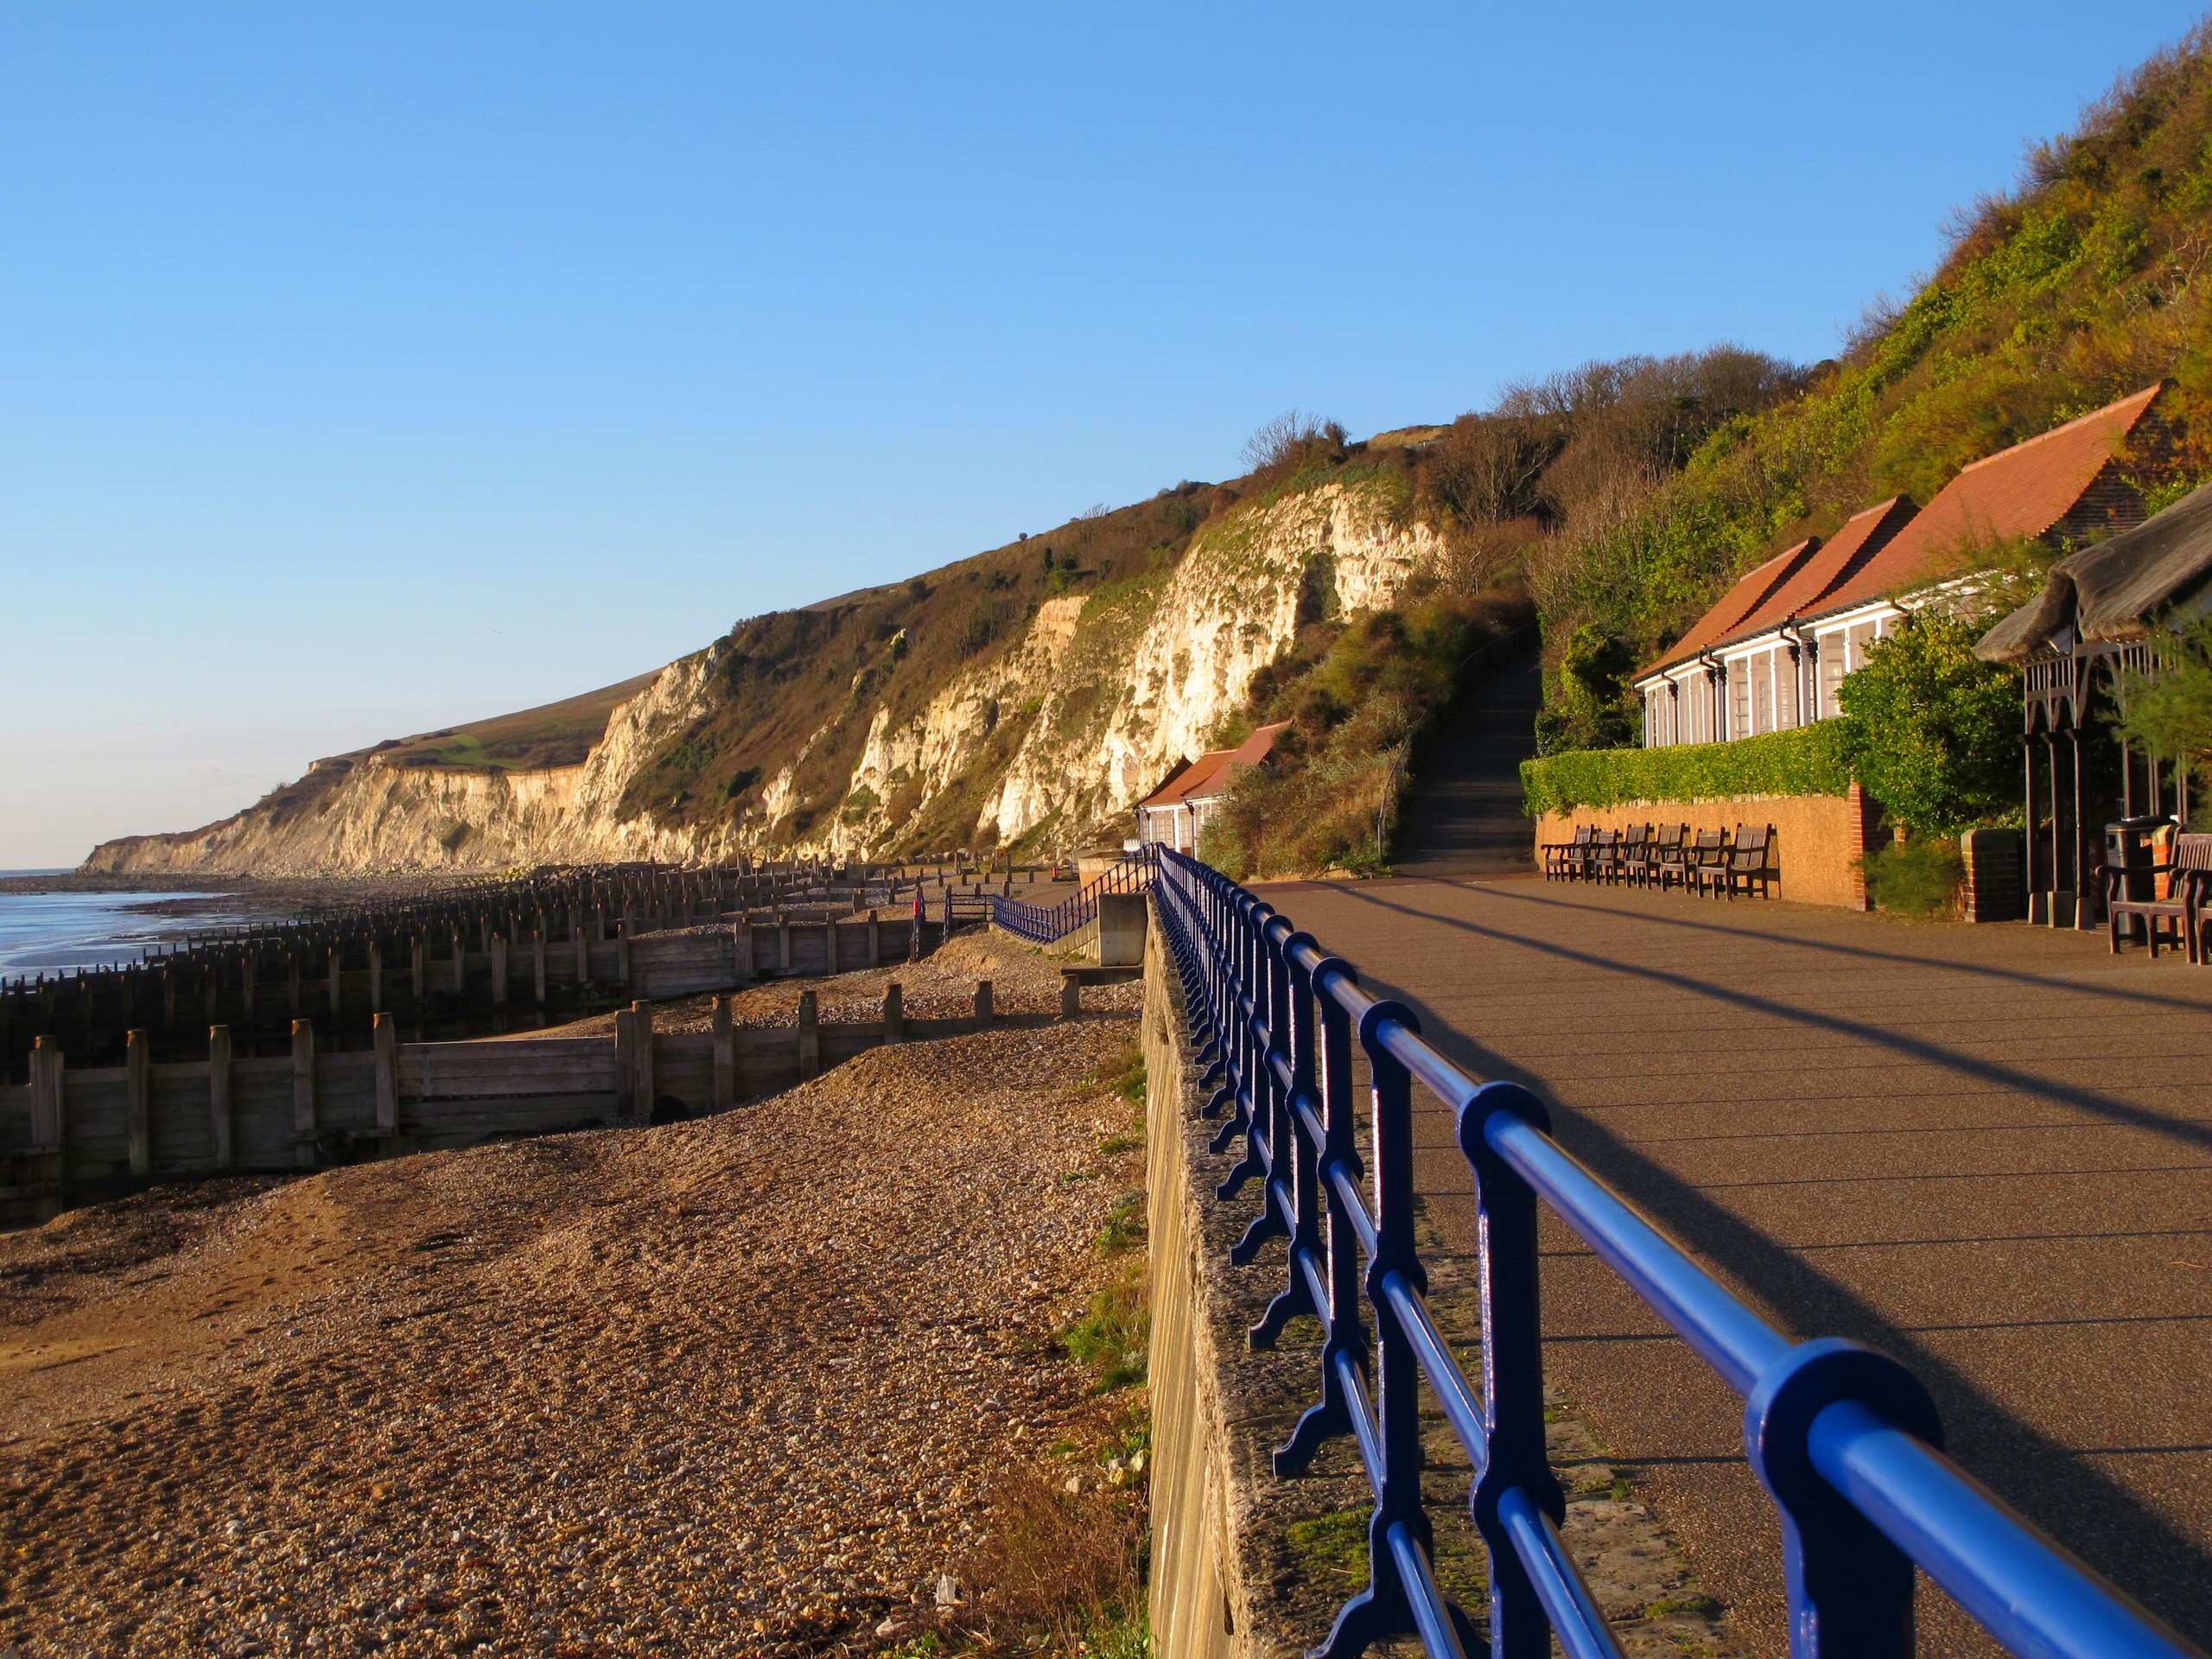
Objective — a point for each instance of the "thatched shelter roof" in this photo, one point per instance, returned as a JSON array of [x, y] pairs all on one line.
[[2118, 589]]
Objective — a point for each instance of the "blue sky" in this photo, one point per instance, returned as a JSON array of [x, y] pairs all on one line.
[[365, 368]]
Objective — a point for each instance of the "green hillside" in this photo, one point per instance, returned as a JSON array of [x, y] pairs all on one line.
[[2080, 286]]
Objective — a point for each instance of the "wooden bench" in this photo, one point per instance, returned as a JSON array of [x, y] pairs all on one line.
[[2182, 898], [1670, 860], [1749, 863], [1705, 860], [1635, 859], [1563, 859], [1602, 861]]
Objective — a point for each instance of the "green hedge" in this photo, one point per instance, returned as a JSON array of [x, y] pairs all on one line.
[[1800, 762]]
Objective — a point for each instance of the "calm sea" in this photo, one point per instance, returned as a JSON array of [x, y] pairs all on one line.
[[47, 932]]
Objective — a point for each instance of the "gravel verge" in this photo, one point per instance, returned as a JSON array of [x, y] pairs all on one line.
[[736, 1386]]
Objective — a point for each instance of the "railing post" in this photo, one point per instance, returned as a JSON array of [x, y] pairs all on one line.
[[1347, 1335], [1383, 1609], [1266, 1137], [1850, 1588], [1305, 1245], [1513, 1368], [1235, 1032]]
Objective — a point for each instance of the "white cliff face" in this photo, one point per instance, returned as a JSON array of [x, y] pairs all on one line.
[[1081, 718], [1168, 679]]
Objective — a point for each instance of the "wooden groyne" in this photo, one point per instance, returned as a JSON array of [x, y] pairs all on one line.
[[73, 1133], [485, 959]]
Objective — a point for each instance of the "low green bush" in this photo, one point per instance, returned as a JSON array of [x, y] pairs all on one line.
[[1920, 879], [1931, 731], [1804, 761]]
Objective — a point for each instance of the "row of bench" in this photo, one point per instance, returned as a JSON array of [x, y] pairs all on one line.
[[1709, 862]]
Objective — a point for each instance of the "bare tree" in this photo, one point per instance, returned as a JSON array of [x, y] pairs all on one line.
[[1489, 468], [1291, 437]]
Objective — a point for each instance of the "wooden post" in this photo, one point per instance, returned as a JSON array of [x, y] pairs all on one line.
[[894, 1013], [783, 964], [337, 1005], [460, 974], [376, 979], [583, 958], [498, 970], [219, 1095], [643, 1013], [875, 941], [983, 1005], [742, 934], [303, 1089], [537, 945], [47, 1122], [626, 1064], [809, 1038], [137, 1083], [725, 1057], [622, 950], [417, 968], [386, 1038], [1071, 997], [245, 983]]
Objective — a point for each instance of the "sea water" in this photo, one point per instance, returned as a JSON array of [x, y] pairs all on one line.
[[60, 932]]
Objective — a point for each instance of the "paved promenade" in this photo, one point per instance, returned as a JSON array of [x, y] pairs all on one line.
[[1988, 1150]]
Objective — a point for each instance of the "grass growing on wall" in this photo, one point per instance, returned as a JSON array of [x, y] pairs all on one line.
[[1805, 761]]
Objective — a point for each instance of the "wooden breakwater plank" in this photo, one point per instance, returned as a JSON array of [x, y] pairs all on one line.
[[542, 1066], [178, 1132], [17, 1136], [515, 1115]]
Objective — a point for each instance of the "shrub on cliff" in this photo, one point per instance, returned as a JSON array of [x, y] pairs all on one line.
[[1360, 695]]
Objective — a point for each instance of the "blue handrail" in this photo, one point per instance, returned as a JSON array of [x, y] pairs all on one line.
[[1045, 925], [1845, 1439]]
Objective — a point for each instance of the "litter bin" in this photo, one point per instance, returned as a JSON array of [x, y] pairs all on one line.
[[2127, 847]]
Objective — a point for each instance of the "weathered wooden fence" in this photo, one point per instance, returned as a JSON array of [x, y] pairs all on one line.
[[482, 982], [73, 1133]]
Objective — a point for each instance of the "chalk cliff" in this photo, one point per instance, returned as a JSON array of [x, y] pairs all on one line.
[[975, 706]]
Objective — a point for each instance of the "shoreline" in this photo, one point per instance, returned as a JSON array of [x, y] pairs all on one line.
[[304, 889]]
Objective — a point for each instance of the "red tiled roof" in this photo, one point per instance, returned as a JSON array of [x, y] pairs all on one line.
[[1193, 774], [1209, 775], [1838, 560], [2022, 491], [1750, 592]]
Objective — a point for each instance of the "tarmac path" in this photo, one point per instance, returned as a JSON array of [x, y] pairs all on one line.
[[1986, 1150]]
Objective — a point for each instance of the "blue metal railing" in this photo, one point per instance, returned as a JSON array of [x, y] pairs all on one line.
[[1044, 925], [1844, 1438]]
